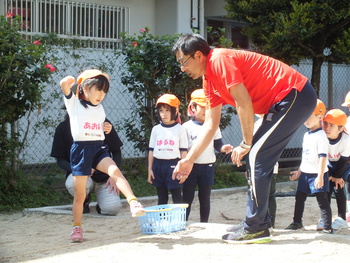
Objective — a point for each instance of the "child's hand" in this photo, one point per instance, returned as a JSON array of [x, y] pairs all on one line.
[[319, 182], [227, 148], [150, 177], [66, 84], [339, 182], [107, 127], [113, 186], [294, 175]]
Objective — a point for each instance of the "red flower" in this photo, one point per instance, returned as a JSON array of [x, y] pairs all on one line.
[[50, 67], [143, 30], [9, 15], [134, 43], [37, 42]]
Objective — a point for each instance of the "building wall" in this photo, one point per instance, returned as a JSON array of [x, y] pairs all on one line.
[[173, 16], [142, 12], [214, 8]]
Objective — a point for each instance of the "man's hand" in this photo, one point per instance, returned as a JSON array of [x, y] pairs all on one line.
[[182, 170]]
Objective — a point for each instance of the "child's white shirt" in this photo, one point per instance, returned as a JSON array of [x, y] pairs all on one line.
[[166, 141], [340, 148], [194, 129], [86, 123], [315, 143]]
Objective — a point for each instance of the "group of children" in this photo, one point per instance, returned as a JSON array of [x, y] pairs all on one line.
[[170, 141], [324, 167]]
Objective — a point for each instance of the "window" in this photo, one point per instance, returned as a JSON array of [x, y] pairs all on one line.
[[233, 31], [88, 21]]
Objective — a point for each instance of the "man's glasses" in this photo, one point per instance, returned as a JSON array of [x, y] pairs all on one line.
[[184, 62]]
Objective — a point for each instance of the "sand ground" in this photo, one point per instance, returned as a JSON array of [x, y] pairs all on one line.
[[44, 237]]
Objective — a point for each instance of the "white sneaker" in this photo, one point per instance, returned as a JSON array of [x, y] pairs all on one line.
[[339, 223], [319, 226]]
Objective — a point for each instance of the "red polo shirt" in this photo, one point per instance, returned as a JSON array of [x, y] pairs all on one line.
[[267, 80]]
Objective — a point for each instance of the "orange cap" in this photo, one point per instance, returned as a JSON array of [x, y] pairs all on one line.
[[198, 97], [336, 116], [91, 73], [347, 100], [169, 99], [320, 108]]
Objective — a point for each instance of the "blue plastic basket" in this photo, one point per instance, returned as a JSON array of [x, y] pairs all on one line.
[[161, 219]]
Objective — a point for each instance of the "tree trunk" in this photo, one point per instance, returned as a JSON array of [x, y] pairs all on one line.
[[316, 73]]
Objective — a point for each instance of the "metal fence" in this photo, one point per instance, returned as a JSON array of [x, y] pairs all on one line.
[[119, 104]]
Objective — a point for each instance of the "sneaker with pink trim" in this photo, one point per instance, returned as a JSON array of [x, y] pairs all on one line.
[[77, 234], [136, 209]]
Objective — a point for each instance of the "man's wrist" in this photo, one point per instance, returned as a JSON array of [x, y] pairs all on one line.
[[245, 146]]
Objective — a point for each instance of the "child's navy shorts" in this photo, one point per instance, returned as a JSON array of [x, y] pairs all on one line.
[[86, 155], [163, 172], [306, 183], [201, 174]]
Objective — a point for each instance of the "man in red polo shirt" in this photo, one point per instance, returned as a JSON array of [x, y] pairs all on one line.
[[254, 84]]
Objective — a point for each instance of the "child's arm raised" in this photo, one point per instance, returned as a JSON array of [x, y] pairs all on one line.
[[67, 84]]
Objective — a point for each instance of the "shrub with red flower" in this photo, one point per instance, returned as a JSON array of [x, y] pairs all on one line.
[[23, 80], [50, 67]]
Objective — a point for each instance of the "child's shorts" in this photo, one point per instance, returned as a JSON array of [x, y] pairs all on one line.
[[201, 174], [346, 174], [306, 183], [163, 172], [86, 155]]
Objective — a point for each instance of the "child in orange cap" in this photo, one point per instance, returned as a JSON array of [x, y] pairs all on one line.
[[167, 145], [312, 174], [347, 170], [88, 151], [202, 173], [338, 156]]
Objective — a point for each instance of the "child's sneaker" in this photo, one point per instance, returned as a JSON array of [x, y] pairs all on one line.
[[294, 226], [319, 226], [339, 223], [136, 209], [77, 234]]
